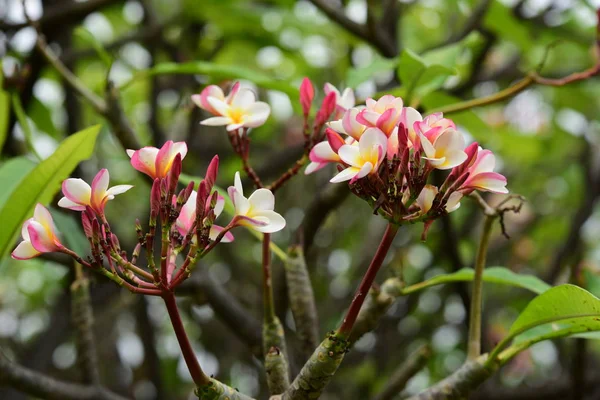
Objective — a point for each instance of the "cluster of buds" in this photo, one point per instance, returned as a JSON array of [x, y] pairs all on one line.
[[387, 152], [185, 219]]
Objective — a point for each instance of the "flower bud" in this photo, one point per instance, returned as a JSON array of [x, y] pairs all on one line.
[[334, 139], [307, 94], [201, 197], [86, 221], [326, 109], [211, 172], [174, 173], [155, 199]]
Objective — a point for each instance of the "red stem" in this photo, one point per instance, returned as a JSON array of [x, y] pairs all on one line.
[[359, 297], [199, 377]]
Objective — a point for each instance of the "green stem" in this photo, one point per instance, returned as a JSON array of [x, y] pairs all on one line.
[[365, 285], [474, 348]]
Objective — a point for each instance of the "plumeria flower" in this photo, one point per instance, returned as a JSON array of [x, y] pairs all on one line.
[[255, 211], [364, 158], [344, 101], [201, 100], [383, 112], [187, 216], [156, 163], [238, 110], [481, 175], [348, 124], [445, 151], [79, 195], [39, 236], [321, 155]]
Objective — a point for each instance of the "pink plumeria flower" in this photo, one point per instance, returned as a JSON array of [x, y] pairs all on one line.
[[446, 151], [238, 110], [156, 163], [363, 159], [481, 175], [321, 155], [343, 101], [255, 211], [39, 236], [201, 100], [384, 113], [79, 195], [187, 216]]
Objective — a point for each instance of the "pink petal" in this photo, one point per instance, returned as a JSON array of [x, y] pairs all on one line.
[[214, 232], [24, 251], [144, 160], [40, 238], [99, 188]]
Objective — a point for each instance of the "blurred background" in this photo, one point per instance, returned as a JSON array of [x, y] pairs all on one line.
[[546, 140]]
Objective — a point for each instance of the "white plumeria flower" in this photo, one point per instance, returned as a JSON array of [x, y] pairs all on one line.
[[238, 110], [447, 151], [364, 158], [187, 216], [255, 211], [39, 236], [79, 195]]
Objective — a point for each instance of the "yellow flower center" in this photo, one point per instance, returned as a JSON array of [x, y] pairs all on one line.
[[236, 115]]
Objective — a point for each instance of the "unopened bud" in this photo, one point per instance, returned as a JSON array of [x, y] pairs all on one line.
[[326, 109], [211, 172], [307, 94]]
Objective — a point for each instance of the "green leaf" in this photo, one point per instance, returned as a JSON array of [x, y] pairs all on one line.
[[498, 275], [12, 172], [42, 117], [561, 303], [566, 308], [356, 76], [419, 76], [43, 182], [500, 19], [4, 109], [24, 123], [86, 36], [218, 71]]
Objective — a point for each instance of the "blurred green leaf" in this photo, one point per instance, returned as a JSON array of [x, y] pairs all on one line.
[[12, 173], [356, 76], [4, 109], [218, 71], [498, 275], [24, 123], [418, 76], [501, 20], [43, 182], [42, 117]]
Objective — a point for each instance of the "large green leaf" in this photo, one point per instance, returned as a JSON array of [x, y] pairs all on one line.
[[218, 71], [498, 275], [564, 303], [568, 309], [4, 109], [12, 173], [43, 182]]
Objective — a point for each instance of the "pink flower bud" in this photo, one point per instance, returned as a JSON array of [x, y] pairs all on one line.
[[326, 109], [201, 197], [211, 172], [174, 173], [307, 94], [334, 139], [155, 198], [86, 221]]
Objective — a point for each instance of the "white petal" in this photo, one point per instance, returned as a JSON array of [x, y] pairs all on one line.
[[258, 113], [130, 152], [218, 105], [372, 138], [262, 199], [345, 175], [66, 203], [237, 183], [77, 190], [313, 167], [350, 155], [275, 221], [426, 197], [115, 190], [243, 99], [24, 251], [216, 121], [427, 146]]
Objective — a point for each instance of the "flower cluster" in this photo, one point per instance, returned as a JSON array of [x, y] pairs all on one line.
[[387, 152], [187, 221]]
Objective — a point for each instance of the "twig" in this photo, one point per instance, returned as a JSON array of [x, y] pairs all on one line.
[[413, 364], [39, 385], [381, 41]]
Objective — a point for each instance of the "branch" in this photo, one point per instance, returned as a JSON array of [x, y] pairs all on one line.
[[43, 386], [378, 39]]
